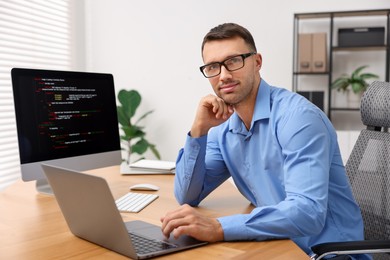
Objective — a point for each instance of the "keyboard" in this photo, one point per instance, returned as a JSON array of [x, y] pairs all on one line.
[[134, 202], [146, 245]]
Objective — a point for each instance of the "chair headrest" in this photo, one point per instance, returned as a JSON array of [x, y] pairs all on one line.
[[375, 105]]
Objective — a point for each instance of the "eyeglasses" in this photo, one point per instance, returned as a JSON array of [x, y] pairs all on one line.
[[234, 63]]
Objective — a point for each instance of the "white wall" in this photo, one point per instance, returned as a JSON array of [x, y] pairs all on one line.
[[154, 47]]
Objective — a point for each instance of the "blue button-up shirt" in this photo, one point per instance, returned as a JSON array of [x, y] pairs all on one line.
[[288, 165]]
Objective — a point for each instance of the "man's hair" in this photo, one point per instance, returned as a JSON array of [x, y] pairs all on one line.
[[228, 31]]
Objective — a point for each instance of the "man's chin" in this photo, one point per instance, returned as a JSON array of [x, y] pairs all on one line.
[[229, 99]]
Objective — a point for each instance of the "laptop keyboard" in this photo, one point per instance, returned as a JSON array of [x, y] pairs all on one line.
[[145, 245], [134, 202]]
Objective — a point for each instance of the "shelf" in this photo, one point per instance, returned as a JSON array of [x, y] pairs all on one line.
[[344, 109], [329, 23], [312, 73], [313, 15], [342, 14], [361, 48], [362, 13]]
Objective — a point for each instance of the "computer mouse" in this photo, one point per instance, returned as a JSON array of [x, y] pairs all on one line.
[[144, 186]]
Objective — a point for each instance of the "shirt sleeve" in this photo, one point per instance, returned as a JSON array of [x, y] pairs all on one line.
[[192, 181]]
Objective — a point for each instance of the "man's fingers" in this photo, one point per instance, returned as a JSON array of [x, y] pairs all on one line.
[[187, 221], [174, 224], [172, 218], [220, 108], [182, 230]]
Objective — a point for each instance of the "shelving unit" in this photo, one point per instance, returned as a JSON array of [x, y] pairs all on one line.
[[330, 22]]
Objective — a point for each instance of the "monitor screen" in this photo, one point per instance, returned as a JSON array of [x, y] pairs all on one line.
[[65, 119]]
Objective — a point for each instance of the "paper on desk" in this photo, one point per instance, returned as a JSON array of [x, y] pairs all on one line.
[[145, 166]]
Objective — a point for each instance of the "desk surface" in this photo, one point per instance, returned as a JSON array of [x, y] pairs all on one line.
[[32, 226]]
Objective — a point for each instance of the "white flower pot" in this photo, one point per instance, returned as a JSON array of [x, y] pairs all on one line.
[[353, 99]]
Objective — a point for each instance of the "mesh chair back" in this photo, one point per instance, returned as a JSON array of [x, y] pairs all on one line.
[[375, 105], [368, 166]]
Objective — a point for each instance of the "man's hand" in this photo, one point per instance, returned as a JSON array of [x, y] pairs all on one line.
[[187, 221], [212, 111]]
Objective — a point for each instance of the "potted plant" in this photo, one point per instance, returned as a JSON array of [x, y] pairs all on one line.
[[357, 81], [353, 85], [133, 136]]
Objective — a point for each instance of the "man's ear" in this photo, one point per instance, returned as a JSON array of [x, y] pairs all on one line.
[[259, 60]]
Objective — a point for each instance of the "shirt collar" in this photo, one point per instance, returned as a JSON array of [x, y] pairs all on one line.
[[262, 109]]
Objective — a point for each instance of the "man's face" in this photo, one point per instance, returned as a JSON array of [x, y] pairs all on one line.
[[233, 86]]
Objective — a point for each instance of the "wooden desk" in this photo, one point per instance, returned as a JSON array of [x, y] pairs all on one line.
[[32, 225]]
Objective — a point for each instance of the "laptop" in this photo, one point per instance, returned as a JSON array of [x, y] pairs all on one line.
[[91, 214]]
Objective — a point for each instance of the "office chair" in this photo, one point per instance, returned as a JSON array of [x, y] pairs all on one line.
[[368, 170]]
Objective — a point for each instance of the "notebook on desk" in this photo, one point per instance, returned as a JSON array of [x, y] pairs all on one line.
[[91, 214], [146, 166]]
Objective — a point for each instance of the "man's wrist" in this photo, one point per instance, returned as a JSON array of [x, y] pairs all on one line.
[[196, 133], [220, 233]]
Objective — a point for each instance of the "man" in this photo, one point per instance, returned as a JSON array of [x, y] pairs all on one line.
[[280, 150]]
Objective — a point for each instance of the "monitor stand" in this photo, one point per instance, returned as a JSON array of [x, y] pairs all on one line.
[[43, 187]]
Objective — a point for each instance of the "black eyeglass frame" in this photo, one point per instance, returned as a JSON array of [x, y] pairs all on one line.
[[222, 63]]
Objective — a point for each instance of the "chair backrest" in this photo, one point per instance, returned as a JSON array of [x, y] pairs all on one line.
[[368, 166]]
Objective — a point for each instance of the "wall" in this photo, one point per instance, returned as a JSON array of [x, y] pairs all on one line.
[[154, 47]]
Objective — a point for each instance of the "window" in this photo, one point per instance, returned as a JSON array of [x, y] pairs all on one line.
[[33, 34]]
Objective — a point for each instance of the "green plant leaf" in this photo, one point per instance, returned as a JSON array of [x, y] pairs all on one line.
[[368, 76], [133, 131], [355, 73], [130, 101], [143, 116], [358, 86], [140, 147], [356, 80], [341, 83], [154, 151], [123, 119], [124, 138]]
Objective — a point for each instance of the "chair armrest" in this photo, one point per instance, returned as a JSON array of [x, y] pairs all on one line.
[[365, 245]]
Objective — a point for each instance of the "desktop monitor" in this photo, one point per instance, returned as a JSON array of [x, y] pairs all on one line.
[[66, 119]]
